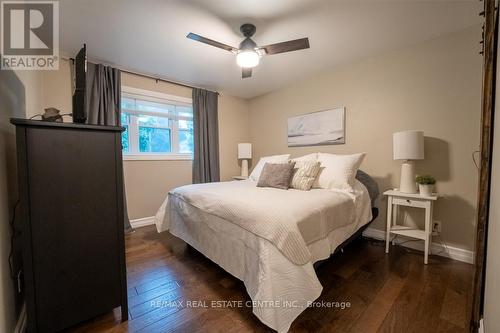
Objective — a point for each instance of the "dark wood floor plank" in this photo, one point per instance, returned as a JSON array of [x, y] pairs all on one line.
[[155, 283], [447, 327], [131, 291], [454, 308], [172, 322], [426, 317], [387, 293], [404, 306], [374, 315], [164, 301], [151, 317], [147, 274], [152, 294]]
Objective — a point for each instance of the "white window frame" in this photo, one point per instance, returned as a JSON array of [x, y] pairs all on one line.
[[153, 96]]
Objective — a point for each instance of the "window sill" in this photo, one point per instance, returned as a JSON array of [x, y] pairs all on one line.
[[157, 157]]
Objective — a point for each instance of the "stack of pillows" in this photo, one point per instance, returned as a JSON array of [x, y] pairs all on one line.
[[317, 170]]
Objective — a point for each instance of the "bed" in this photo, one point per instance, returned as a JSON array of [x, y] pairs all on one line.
[[269, 238]]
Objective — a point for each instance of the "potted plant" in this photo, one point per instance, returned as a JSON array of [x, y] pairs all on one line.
[[425, 185]]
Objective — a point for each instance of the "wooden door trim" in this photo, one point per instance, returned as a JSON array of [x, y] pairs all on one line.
[[487, 118]]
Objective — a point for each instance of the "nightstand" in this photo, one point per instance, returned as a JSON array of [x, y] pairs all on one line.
[[396, 199], [240, 177]]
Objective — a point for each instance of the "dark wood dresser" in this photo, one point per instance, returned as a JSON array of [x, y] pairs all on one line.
[[71, 217]]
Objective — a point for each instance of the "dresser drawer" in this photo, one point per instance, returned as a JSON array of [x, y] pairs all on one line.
[[409, 202]]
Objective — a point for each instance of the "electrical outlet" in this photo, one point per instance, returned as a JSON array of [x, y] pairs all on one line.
[[436, 226]]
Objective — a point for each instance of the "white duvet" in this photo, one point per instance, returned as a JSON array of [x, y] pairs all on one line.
[[229, 223]]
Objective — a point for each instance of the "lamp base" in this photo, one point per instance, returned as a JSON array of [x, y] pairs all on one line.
[[407, 183], [244, 168]]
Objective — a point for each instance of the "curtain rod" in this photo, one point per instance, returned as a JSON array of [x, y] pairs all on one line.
[[156, 78], [164, 80]]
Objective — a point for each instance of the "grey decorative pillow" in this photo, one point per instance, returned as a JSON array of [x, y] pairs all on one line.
[[305, 174], [276, 175]]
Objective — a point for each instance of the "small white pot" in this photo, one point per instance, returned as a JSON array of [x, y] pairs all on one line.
[[425, 190]]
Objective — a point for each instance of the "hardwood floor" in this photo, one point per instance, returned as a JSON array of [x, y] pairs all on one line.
[[387, 293]]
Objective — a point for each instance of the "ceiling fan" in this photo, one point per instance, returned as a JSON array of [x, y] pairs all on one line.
[[248, 54]]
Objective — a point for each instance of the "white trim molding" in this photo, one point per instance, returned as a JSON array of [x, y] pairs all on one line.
[[158, 157], [439, 249], [142, 222], [161, 97]]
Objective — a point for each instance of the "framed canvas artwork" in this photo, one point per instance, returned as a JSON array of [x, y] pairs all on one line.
[[318, 128]]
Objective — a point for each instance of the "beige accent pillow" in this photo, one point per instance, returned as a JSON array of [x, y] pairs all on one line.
[[304, 175], [276, 175]]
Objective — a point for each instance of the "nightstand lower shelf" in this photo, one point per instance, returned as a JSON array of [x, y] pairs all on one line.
[[408, 232]]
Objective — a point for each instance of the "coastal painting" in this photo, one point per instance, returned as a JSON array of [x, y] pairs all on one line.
[[317, 128]]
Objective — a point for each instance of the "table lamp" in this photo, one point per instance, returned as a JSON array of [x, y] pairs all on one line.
[[244, 154], [408, 146]]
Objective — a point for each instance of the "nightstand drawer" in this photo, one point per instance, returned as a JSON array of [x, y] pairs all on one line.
[[409, 202]]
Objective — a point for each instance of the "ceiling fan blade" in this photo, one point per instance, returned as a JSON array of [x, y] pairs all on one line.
[[212, 42], [246, 72], [291, 45]]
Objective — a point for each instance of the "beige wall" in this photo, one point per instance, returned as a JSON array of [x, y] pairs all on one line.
[[57, 89], [233, 129], [147, 182], [433, 86], [20, 94]]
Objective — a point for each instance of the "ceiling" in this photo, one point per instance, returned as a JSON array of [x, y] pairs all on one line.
[[148, 36]]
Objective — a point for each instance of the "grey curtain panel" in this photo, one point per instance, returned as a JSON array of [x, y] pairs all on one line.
[[103, 105], [103, 95], [206, 136]]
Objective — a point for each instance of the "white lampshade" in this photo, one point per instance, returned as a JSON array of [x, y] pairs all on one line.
[[244, 150], [408, 145]]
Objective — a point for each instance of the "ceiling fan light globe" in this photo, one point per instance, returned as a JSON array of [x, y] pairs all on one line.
[[247, 59]]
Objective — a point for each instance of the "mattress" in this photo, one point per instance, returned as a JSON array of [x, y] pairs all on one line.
[[279, 288]]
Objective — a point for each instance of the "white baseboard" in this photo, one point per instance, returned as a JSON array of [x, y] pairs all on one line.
[[142, 222], [481, 326], [21, 321], [439, 249]]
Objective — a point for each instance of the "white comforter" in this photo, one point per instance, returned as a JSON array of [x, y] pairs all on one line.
[[222, 221]]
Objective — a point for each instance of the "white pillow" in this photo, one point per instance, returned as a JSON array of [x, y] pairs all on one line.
[[255, 175], [338, 171], [309, 157]]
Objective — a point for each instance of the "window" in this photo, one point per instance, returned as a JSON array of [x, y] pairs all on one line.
[[157, 126]]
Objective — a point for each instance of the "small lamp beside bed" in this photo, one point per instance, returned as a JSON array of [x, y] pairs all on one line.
[[408, 146], [244, 154]]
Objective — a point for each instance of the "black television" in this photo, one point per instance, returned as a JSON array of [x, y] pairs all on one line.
[[79, 114]]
